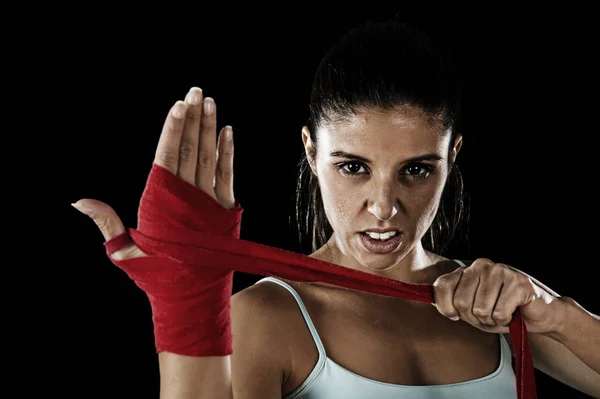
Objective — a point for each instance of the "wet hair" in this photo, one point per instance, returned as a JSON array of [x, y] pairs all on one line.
[[382, 66]]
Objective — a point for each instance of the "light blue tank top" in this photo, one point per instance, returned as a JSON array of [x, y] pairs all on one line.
[[329, 380]]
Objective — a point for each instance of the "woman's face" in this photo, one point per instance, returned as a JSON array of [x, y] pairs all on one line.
[[380, 171]]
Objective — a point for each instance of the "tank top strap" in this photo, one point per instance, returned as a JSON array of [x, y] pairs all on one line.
[[305, 315], [460, 262]]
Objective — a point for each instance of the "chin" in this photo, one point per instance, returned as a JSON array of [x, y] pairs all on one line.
[[379, 262]]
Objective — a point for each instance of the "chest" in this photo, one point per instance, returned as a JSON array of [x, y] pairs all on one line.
[[398, 343]]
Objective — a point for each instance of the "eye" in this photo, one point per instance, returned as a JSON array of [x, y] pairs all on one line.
[[413, 171], [351, 168], [417, 171]]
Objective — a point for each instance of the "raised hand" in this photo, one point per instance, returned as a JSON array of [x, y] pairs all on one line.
[[186, 148]]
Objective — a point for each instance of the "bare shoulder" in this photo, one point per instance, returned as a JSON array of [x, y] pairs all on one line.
[[264, 299], [266, 306], [261, 357]]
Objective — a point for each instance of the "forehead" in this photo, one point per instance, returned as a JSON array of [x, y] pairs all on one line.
[[399, 132]]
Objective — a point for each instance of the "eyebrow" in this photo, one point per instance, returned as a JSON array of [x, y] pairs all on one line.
[[420, 158]]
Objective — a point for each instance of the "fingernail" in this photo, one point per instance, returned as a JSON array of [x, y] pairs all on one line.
[[228, 133], [195, 95], [209, 106], [178, 110], [192, 99], [82, 209], [455, 318]]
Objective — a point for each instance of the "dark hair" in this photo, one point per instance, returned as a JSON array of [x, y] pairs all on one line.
[[382, 65]]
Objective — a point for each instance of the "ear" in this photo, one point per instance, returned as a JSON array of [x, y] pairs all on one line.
[[309, 148], [456, 148]]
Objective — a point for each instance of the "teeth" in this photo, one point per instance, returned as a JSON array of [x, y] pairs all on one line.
[[381, 236]]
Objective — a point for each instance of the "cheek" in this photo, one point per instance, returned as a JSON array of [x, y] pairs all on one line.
[[424, 201], [339, 201]]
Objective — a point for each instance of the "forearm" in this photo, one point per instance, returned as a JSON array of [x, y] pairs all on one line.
[[579, 331], [188, 377]]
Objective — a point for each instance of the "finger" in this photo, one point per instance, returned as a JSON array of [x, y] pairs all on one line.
[[110, 225], [167, 151], [486, 297], [443, 293], [514, 294], [464, 296], [103, 215], [207, 154], [224, 173], [188, 149]]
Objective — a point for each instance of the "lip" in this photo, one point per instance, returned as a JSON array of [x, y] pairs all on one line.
[[378, 230], [379, 247]]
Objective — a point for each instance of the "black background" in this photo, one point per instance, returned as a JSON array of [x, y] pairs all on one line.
[[528, 159]]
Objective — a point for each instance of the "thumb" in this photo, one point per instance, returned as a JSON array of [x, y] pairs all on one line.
[[110, 225], [103, 215]]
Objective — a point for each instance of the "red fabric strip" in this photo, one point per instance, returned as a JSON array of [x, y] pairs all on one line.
[[190, 237]]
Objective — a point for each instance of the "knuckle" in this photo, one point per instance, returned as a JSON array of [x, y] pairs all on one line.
[[460, 303], [208, 122], [167, 158], [480, 311], [487, 266], [206, 159], [441, 283], [482, 262], [497, 270], [186, 151], [440, 287], [192, 115], [511, 278], [227, 152], [498, 313], [500, 317], [173, 127], [102, 223], [226, 174]]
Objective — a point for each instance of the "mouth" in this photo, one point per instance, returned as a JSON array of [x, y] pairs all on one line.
[[381, 243]]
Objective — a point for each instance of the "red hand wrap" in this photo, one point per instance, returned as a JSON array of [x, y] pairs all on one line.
[[195, 249], [190, 302]]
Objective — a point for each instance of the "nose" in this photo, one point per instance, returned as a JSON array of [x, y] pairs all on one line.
[[383, 204]]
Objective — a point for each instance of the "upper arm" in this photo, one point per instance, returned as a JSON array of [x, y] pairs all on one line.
[[259, 350], [556, 360]]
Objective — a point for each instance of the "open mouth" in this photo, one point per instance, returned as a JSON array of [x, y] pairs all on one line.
[[381, 243], [381, 236]]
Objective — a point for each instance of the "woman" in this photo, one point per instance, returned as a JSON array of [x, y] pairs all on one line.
[[381, 147]]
